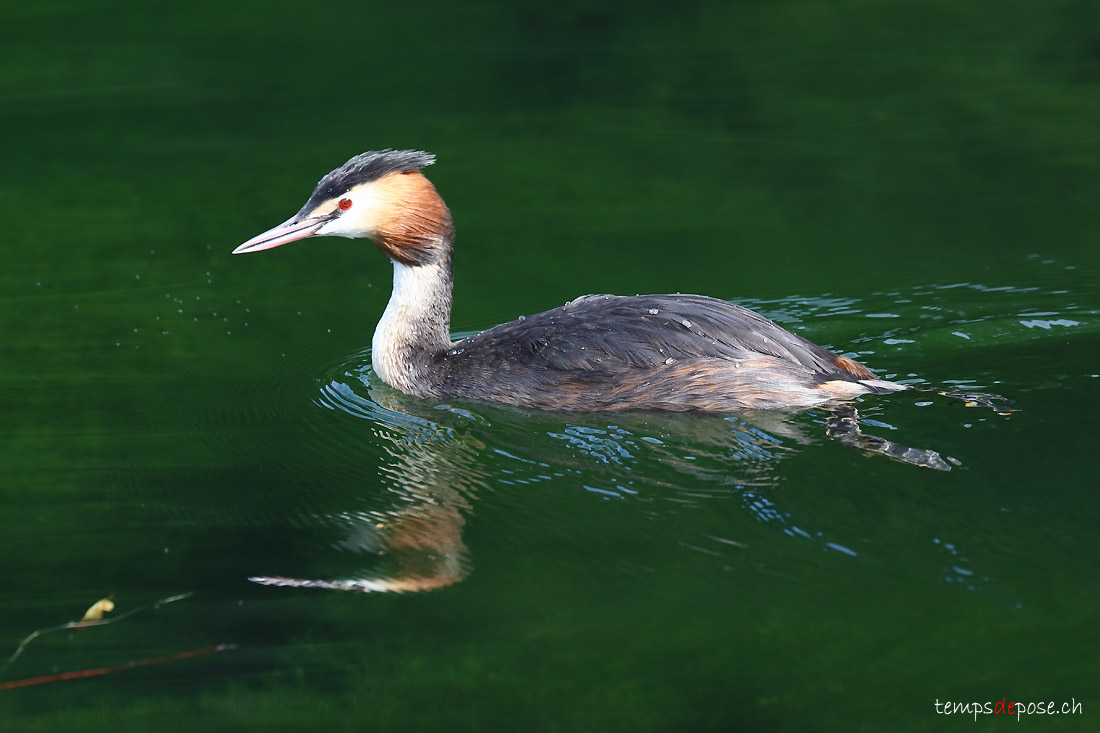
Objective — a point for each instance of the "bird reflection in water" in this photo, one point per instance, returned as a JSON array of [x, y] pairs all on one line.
[[433, 473], [431, 479]]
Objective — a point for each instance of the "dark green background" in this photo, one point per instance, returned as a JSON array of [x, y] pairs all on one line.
[[912, 183]]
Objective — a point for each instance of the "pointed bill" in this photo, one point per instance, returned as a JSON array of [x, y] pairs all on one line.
[[290, 230]]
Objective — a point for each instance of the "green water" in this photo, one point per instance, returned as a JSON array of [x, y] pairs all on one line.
[[913, 184]]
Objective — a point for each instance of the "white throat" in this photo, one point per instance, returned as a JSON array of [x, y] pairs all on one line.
[[414, 327]]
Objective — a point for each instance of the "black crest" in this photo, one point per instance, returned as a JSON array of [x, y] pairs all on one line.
[[366, 167]]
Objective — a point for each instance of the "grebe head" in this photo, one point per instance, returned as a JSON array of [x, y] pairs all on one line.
[[381, 196]]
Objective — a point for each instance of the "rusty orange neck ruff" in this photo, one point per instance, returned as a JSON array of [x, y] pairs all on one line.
[[415, 226]]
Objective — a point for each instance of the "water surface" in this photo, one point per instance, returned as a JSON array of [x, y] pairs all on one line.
[[911, 186]]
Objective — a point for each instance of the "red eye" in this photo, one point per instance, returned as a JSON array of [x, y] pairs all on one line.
[[344, 204]]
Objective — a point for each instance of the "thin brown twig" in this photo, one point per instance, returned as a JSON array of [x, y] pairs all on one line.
[[116, 668]]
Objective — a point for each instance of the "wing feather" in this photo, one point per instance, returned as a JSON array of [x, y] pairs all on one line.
[[610, 334]]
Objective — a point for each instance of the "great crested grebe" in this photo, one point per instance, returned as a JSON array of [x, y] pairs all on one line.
[[598, 352]]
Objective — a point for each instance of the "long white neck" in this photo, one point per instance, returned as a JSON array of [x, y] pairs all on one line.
[[415, 327]]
